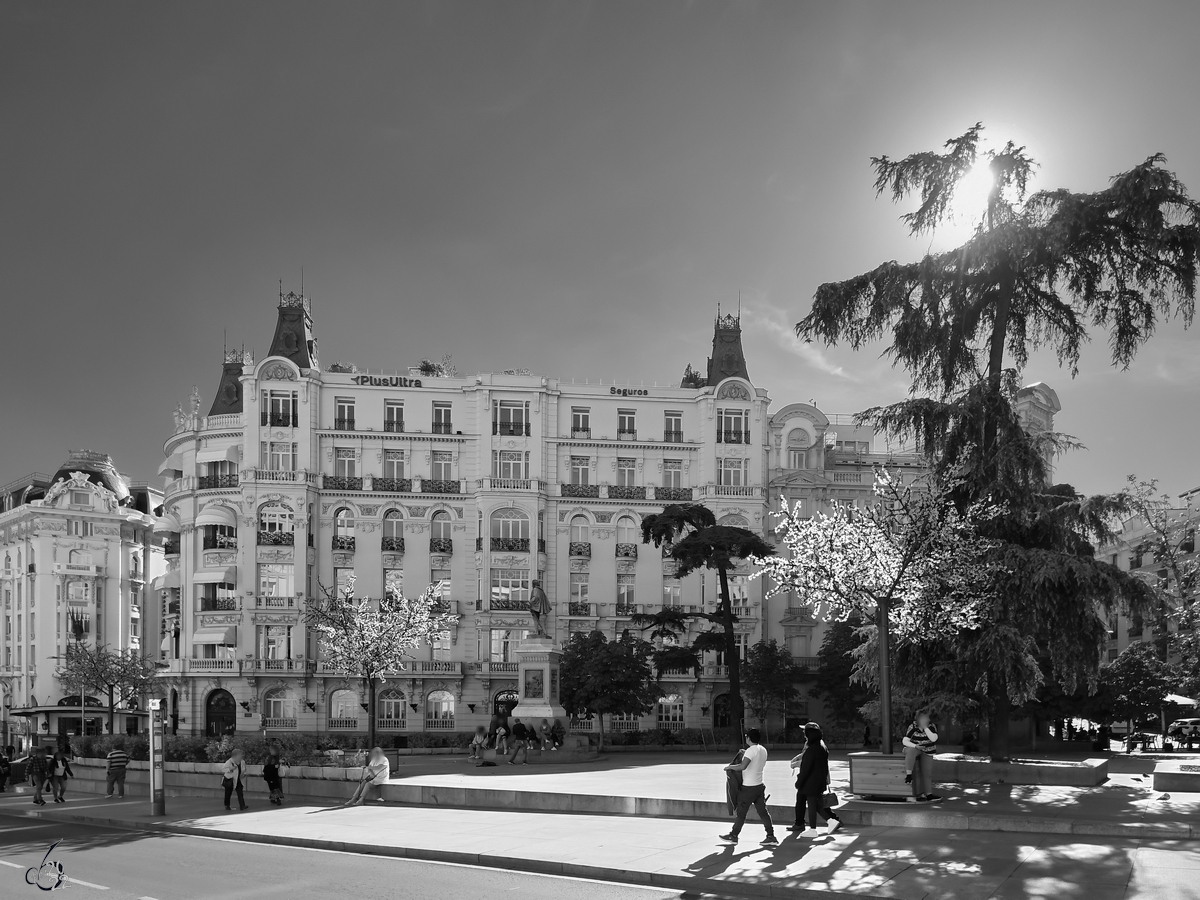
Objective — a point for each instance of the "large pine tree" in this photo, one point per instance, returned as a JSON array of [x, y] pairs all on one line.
[[1037, 271]]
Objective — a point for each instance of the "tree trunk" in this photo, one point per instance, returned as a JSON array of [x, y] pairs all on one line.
[[371, 713], [998, 722], [112, 705], [737, 709], [600, 725], [995, 370], [885, 677]]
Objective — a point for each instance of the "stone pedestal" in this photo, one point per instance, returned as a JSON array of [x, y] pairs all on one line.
[[538, 682]]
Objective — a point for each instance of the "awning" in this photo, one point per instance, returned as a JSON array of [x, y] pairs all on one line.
[[165, 582], [226, 635], [168, 524], [1179, 700], [218, 454], [173, 463], [218, 575], [217, 515]]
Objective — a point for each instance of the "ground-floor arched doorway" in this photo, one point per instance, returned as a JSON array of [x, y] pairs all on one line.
[[721, 711], [220, 714], [504, 703]]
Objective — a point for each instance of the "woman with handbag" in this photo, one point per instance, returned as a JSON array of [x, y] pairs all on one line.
[[812, 783], [231, 779]]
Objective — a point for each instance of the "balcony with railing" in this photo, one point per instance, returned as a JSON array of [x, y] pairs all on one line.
[[510, 544], [743, 612], [513, 429], [281, 476], [437, 667], [276, 538], [489, 667], [342, 483], [673, 494], [626, 492], [441, 545], [272, 602], [392, 545], [278, 420], [343, 424], [345, 723], [626, 609], [389, 724], [582, 610], [624, 725], [220, 542], [673, 437], [216, 482], [497, 604], [579, 548], [581, 490], [443, 428], [847, 477], [226, 420], [726, 436], [343, 542], [439, 723], [440, 486], [217, 604], [211, 665], [278, 723], [394, 426], [584, 433], [627, 551], [626, 434], [509, 484], [273, 665], [392, 485], [755, 491], [812, 663]]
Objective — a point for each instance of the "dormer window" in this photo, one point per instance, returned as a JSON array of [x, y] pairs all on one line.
[[81, 498]]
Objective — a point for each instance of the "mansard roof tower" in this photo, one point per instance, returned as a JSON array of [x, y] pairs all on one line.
[[727, 360], [294, 338]]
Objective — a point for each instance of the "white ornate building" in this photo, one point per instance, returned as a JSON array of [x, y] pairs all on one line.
[[76, 551]]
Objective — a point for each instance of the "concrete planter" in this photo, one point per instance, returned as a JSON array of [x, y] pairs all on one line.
[[974, 770], [1176, 777]]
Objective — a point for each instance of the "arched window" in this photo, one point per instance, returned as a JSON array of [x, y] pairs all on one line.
[[798, 438], [439, 711], [390, 709], [279, 708], [276, 518], [343, 705], [721, 711], [670, 712], [135, 566], [733, 521], [440, 526], [343, 523], [393, 524], [510, 523], [580, 530], [627, 530]]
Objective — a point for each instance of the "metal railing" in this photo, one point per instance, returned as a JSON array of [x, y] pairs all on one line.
[[627, 551], [216, 482], [511, 428], [170, 549], [268, 602], [725, 436], [395, 426], [343, 424], [510, 544], [581, 432], [218, 604], [392, 544], [581, 609], [276, 538], [439, 486], [278, 420], [220, 542], [672, 493], [673, 437], [443, 428], [626, 609], [626, 434], [579, 548], [441, 545], [392, 485], [342, 483], [508, 605], [626, 492], [581, 490], [342, 542]]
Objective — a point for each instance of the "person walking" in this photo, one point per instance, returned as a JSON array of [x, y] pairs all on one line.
[[272, 774], [520, 742], [919, 742], [61, 772], [231, 779], [753, 791], [38, 773], [812, 782], [5, 769], [375, 774], [117, 762]]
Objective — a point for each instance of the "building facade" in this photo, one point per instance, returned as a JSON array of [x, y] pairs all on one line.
[[77, 552]]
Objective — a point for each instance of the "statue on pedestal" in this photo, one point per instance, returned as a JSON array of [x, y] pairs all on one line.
[[539, 608]]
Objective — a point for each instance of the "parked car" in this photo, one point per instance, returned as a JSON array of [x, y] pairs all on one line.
[[1184, 725]]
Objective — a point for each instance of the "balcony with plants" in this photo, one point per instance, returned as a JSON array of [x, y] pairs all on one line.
[[580, 609]]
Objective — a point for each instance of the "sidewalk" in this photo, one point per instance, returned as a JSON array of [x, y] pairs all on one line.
[[906, 863]]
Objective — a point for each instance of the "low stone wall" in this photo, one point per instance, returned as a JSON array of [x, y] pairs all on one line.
[[204, 780], [1177, 777], [949, 767]]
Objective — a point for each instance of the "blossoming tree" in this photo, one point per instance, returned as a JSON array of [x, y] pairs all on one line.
[[372, 638]]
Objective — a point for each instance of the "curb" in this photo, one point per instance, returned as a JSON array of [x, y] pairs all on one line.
[[694, 886]]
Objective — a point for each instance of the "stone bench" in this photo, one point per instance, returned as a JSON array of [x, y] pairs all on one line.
[[1176, 777], [875, 775]]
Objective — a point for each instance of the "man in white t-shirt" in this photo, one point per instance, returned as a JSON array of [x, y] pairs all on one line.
[[753, 792]]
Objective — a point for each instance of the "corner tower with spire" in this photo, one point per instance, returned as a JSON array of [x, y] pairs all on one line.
[[727, 360], [294, 338]]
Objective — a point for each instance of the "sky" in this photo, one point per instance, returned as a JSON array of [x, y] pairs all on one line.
[[568, 187]]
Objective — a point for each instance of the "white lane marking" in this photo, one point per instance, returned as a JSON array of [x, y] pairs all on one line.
[[14, 865], [98, 887], [147, 898]]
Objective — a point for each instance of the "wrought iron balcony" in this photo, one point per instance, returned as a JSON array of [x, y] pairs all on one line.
[[343, 424], [343, 483], [218, 604], [626, 609], [627, 551], [581, 432], [395, 426], [439, 486], [511, 544], [579, 548], [626, 492], [441, 545], [581, 609], [392, 544], [581, 490], [673, 437], [392, 485], [276, 538], [508, 605], [672, 493], [280, 420], [511, 428], [220, 542], [443, 428], [732, 437], [626, 434], [215, 482], [343, 542], [478, 543], [541, 545]]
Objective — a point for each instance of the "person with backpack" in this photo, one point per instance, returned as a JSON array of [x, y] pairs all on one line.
[[812, 782]]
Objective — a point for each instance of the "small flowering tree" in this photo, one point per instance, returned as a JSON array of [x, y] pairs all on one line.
[[908, 560], [370, 638]]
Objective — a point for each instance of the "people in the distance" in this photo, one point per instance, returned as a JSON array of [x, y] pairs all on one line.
[[919, 742], [232, 775], [520, 742], [557, 734], [478, 743], [38, 772], [752, 792], [375, 774], [812, 782], [5, 769], [272, 774], [116, 763], [60, 771]]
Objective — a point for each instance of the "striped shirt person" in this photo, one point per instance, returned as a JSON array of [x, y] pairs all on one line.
[[118, 761]]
